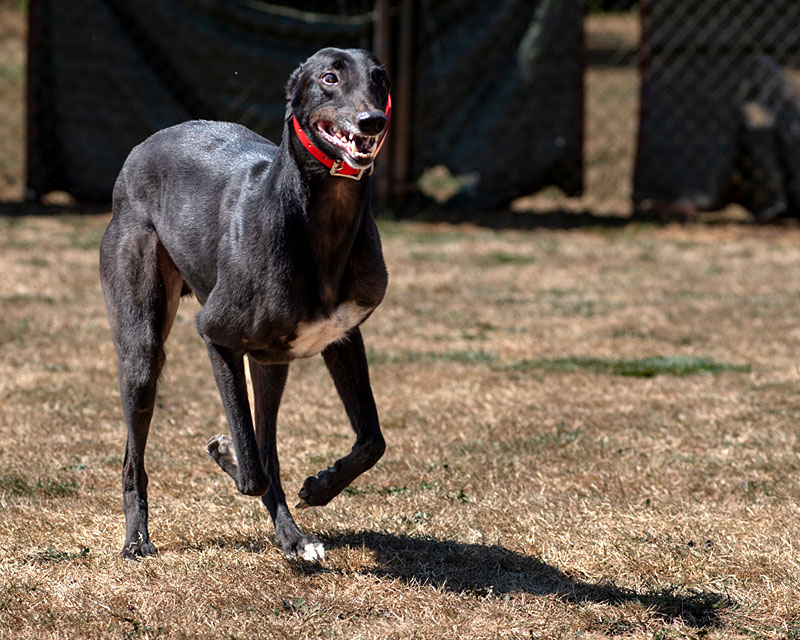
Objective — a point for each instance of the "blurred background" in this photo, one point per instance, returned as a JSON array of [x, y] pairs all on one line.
[[603, 108]]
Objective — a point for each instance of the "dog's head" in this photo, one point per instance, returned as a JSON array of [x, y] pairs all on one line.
[[339, 96]]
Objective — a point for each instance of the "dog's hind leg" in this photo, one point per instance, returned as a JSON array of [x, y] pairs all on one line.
[[268, 384], [142, 289], [347, 364]]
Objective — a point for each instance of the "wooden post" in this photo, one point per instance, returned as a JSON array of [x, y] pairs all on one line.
[[31, 130], [401, 116], [382, 48]]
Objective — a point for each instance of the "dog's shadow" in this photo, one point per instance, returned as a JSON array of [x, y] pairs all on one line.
[[494, 571]]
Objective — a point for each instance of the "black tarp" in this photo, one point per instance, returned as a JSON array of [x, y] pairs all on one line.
[[720, 119], [495, 91], [499, 96]]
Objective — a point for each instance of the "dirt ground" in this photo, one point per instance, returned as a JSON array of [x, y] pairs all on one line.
[[591, 433]]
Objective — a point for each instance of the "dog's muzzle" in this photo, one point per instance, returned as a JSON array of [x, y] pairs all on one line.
[[372, 124]]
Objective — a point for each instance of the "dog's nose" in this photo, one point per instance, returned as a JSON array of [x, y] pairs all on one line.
[[371, 123]]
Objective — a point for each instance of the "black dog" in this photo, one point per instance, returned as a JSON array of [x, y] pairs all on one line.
[[280, 248]]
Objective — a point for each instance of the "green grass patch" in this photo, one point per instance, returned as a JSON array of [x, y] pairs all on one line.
[[406, 357], [428, 256], [82, 235], [52, 488], [374, 490], [636, 367], [15, 5], [50, 554], [556, 440], [413, 235], [26, 299], [492, 259], [503, 257], [11, 73]]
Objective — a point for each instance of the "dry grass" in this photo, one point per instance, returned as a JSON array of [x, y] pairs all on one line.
[[12, 89], [514, 501]]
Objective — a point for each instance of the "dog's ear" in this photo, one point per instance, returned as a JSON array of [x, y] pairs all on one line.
[[294, 90], [294, 82]]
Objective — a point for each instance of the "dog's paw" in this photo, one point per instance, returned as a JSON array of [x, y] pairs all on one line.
[[320, 489], [220, 447], [305, 548], [312, 552], [255, 483], [308, 495], [305, 495], [296, 544], [135, 550]]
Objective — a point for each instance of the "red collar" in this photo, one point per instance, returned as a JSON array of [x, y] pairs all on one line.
[[340, 167]]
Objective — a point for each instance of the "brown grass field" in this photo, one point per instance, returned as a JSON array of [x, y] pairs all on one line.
[[591, 434], [12, 76]]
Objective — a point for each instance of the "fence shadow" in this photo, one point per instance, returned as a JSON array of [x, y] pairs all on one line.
[[499, 219], [505, 219], [15, 209], [493, 570], [559, 218]]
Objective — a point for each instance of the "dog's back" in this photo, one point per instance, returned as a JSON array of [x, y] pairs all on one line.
[[199, 153], [213, 162]]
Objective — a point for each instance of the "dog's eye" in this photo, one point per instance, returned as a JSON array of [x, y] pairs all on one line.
[[330, 78], [381, 80]]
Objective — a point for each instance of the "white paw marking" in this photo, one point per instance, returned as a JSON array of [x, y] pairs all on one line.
[[313, 337], [313, 552]]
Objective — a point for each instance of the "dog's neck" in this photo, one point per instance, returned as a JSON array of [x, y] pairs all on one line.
[[332, 208], [335, 209]]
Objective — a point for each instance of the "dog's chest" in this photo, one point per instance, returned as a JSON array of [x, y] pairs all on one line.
[[312, 337]]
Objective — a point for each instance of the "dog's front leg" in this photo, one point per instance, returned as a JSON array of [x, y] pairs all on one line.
[[268, 384], [238, 456], [347, 364]]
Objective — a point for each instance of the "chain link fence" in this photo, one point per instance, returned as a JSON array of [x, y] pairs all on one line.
[[611, 83], [687, 106], [720, 107]]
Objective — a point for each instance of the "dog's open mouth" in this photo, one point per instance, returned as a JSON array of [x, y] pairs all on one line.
[[359, 147]]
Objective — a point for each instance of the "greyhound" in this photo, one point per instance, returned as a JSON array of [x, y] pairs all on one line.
[[279, 246]]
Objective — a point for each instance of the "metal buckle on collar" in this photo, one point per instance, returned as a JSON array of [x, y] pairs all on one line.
[[338, 168]]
